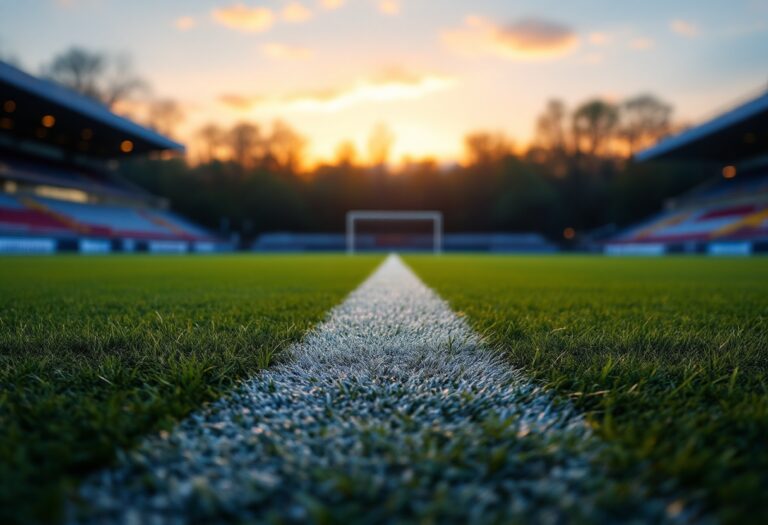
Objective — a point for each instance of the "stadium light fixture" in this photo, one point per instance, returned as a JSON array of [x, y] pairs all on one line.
[[48, 121], [126, 146], [435, 217]]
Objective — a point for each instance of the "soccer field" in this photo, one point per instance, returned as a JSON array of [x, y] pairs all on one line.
[[96, 352], [664, 359], [667, 357]]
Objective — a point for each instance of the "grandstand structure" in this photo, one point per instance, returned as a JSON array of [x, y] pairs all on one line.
[[58, 185], [727, 216]]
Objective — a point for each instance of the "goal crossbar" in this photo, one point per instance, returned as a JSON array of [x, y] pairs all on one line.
[[435, 217]]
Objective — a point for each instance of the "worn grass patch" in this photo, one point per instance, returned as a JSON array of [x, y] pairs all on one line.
[[668, 357], [96, 352]]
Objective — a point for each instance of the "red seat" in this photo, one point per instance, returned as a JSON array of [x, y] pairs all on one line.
[[31, 219]]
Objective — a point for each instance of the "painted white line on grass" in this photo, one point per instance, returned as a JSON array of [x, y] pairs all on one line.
[[390, 410]]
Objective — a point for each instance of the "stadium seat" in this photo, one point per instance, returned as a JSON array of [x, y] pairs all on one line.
[[45, 215], [728, 211]]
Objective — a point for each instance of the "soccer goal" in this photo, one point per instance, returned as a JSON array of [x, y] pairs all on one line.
[[356, 216]]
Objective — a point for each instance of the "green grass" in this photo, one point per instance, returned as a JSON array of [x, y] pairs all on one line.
[[668, 357], [96, 352]]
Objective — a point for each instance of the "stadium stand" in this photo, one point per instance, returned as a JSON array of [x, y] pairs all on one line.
[[58, 186], [727, 216], [15, 216]]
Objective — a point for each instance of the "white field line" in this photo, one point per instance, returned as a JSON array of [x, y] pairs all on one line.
[[390, 410]]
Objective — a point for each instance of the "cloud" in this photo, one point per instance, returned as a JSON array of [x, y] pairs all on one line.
[[526, 39], [390, 86], [389, 7], [641, 44], [331, 4], [185, 23], [244, 18], [684, 28], [277, 51], [296, 12], [238, 102]]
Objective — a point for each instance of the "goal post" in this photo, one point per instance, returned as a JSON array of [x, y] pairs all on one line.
[[436, 217]]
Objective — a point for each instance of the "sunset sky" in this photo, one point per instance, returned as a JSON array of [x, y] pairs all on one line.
[[430, 69]]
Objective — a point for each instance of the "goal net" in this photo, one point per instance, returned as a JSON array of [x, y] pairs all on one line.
[[356, 217]]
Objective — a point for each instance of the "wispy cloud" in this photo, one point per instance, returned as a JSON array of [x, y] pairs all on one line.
[[277, 51], [185, 23], [526, 39], [296, 12], [244, 18], [387, 87], [239, 102], [331, 4], [684, 28], [642, 43], [389, 7]]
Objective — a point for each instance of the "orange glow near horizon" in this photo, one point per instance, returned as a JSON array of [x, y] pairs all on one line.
[[431, 71]]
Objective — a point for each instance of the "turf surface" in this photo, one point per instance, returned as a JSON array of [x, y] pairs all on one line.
[[96, 352], [668, 357]]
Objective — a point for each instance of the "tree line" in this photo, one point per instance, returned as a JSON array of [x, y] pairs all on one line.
[[577, 174], [497, 189]]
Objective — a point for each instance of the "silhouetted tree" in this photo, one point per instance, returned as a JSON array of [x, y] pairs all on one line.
[[482, 147], [286, 146], [380, 144], [212, 137], [165, 115], [246, 143], [594, 124], [550, 127], [107, 79], [346, 154], [644, 120]]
